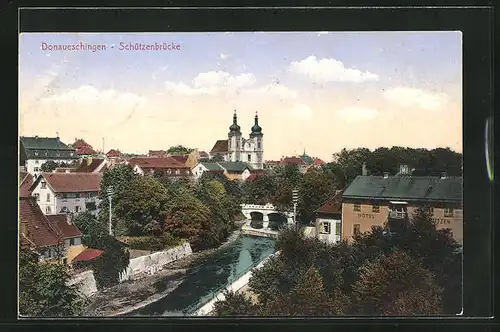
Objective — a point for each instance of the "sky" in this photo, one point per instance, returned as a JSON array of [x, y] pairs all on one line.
[[313, 91]]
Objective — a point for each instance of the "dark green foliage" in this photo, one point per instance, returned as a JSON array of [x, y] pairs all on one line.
[[179, 150], [235, 304], [153, 243], [49, 166], [115, 258], [43, 289]]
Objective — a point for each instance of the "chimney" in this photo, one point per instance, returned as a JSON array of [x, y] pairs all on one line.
[[364, 172], [386, 175], [68, 219]]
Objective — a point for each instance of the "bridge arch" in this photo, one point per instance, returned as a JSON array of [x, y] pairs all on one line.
[[276, 220], [257, 219]]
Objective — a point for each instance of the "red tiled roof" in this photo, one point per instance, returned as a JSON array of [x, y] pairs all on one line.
[[318, 161], [113, 153], [292, 161], [272, 162], [36, 229], [67, 230], [72, 182], [203, 154], [86, 167], [88, 255], [25, 185], [79, 143], [220, 146], [85, 150], [181, 159], [167, 162], [333, 205], [65, 170]]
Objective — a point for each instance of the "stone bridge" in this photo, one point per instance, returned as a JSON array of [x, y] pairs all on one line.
[[265, 213]]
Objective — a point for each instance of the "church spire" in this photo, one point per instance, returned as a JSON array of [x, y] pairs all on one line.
[[234, 129], [256, 129]]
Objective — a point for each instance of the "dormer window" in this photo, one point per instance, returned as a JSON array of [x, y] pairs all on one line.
[[43, 184], [71, 154], [36, 153], [58, 154], [46, 153], [177, 171], [169, 171]]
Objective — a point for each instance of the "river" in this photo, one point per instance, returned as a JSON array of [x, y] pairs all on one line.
[[214, 273]]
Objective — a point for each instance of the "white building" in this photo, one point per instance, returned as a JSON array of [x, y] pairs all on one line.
[[206, 166], [238, 149], [328, 221], [37, 150], [67, 192]]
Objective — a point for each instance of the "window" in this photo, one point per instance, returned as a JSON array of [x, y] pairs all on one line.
[[36, 169], [355, 229], [249, 157], [337, 227], [64, 196], [77, 195], [77, 209], [43, 184], [72, 241], [36, 162], [48, 210], [448, 212], [375, 208], [357, 207], [48, 197], [325, 228], [64, 209], [258, 145], [169, 171], [37, 195], [177, 171], [36, 153]]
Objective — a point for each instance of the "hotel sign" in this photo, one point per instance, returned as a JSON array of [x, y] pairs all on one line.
[[441, 221], [366, 215]]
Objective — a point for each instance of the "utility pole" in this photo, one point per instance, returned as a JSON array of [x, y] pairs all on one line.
[[110, 198], [295, 197]]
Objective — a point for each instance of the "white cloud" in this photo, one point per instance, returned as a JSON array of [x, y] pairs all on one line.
[[219, 82], [356, 114], [89, 94], [411, 97], [224, 56], [301, 111], [330, 70]]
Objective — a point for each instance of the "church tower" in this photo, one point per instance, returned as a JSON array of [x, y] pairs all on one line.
[[256, 136], [234, 141]]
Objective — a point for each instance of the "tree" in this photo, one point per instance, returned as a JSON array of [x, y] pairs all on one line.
[[178, 150], [316, 186], [142, 206], [48, 166], [113, 261], [396, 285], [260, 190], [43, 289], [235, 304]]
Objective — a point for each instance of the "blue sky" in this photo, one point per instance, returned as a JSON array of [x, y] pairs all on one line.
[[321, 93]]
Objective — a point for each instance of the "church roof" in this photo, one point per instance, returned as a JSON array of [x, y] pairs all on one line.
[[220, 146]]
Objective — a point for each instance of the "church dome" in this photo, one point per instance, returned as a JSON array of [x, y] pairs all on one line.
[[256, 129], [234, 129]]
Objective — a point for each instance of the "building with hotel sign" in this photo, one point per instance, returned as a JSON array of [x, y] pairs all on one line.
[[371, 200]]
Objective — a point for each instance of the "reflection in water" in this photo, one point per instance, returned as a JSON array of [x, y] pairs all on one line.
[[219, 270]]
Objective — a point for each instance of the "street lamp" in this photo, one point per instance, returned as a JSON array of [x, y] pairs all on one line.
[[110, 198], [295, 198]]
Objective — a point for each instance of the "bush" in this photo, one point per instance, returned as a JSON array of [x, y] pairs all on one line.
[[153, 243]]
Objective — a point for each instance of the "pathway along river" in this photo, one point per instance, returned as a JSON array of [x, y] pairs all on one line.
[[211, 276]]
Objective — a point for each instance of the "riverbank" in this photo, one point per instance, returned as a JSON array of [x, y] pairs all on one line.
[[135, 294]]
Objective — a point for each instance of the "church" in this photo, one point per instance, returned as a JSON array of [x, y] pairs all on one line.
[[238, 149]]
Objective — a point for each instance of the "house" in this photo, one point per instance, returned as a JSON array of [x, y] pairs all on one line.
[[25, 182], [318, 162], [85, 151], [38, 150], [236, 170], [372, 200], [168, 166], [328, 219], [271, 164], [113, 154], [53, 239], [206, 166], [255, 174], [203, 156], [92, 165], [189, 160], [67, 192], [220, 149]]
